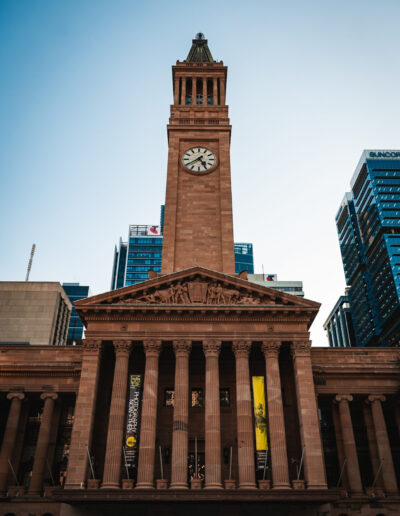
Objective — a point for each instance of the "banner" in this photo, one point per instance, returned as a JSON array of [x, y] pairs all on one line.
[[260, 420], [133, 421]]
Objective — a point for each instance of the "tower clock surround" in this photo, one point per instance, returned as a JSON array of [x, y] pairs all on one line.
[[199, 160]]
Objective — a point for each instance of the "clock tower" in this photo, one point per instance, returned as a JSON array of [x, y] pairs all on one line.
[[198, 227]]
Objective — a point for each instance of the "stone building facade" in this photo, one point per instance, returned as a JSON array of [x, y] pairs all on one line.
[[76, 440]]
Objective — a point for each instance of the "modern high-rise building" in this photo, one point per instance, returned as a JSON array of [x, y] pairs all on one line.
[[244, 259], [368, 225], [135, 257], [295, 288], [143, 250], [34, 313], [339, 325], [75, 291]]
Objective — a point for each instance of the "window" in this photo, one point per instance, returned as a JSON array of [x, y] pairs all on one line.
[[224, 398], [169, 397], [197, 398]]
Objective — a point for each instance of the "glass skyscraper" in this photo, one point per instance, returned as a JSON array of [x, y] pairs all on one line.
[[143, 250], [368, 225], [244, 259], [134, 258], [75, 291]]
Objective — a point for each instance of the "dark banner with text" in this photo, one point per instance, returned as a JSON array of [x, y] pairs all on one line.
[[133, 422]]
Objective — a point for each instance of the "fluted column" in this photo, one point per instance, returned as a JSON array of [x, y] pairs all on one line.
[[211, 350], [244, 414], [147, 442], [339, 443], [349, 445], [116, 420], [215, 91], [42, 445], [314, 467], [10, 434], [181, 415], [276, 420], [383, 444], [372, 445], [84, 415]]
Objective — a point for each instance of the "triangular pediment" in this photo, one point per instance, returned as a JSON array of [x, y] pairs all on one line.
[[196, 286]]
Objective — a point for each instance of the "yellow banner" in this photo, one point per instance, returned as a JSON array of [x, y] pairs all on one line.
[[259, 413]]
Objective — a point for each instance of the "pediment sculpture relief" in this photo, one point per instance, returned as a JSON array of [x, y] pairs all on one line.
[[198, 292]]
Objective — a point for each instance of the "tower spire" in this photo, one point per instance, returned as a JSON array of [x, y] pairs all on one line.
[[199, 53]]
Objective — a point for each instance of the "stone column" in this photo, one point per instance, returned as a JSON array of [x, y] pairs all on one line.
[[215, 91], [372, 446], [42, 445], [181, 415], [276, 420], [314, 468], [147, 442], [194, 91], [211, 350], [183, 94], [339, 443], [222, 88], [349, 445], [244, 415], [204, 91], [116, 419], [383, 444], [176, 91], [10, 434], [82, 430]]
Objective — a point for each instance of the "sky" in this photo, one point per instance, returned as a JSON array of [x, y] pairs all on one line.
[[85, 93]]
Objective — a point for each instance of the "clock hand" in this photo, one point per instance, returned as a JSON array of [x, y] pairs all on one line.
[[190, 162]]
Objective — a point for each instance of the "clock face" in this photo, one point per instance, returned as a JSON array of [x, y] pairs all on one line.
[[199, 160]]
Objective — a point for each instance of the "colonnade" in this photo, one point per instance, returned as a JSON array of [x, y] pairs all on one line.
[[378, 444], [181, 90], [309, 424], [314, 469]]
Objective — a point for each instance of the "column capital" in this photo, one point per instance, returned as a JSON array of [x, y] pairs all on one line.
[[375, 397], [182, 348], [46, 395], [211, 348], [271, 347], [15, 395], [300, 348], [91, 345], [152, 348], [241, 348], [343, 397], [122, 347]]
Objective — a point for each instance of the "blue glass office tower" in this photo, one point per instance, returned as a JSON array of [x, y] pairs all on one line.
[[134, 258], [142, 252], [368, 224], [75, 291], [339, 325], [244, 260]]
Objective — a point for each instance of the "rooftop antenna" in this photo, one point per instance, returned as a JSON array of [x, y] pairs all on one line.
[[30, 262], [262, 266]]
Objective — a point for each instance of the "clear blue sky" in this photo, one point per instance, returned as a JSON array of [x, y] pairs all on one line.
[[85, 91]]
